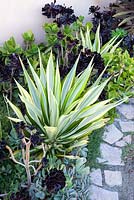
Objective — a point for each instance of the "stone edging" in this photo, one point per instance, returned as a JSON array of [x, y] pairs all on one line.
[[106, 182]]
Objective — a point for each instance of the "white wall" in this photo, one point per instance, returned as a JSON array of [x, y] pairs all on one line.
[[18, 16]]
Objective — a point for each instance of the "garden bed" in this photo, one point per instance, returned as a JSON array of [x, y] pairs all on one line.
[[56, 97]]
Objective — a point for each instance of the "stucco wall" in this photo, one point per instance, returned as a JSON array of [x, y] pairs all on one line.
[[18, 16]]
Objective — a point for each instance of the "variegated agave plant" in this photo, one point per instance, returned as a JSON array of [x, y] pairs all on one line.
[[95, 46], [64, 112]]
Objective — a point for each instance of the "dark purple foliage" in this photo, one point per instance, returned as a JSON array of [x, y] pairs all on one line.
[[11, 69], [106, 20], [36, 139], [2, 145], [55, 181], [52, 10], [71, 43], [19, 129], [86, 57], [63, 15], [93, 9], [2, 149], [128, 43], [44, 161], [60, 35]]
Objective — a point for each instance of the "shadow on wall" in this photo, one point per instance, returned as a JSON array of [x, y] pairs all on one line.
[[17, 17]]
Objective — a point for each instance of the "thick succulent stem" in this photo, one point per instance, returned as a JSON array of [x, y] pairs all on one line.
[[12, 156], [27, 167]]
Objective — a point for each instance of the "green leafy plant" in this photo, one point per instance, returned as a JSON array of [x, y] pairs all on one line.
[[51, 30], [10, 47], [72, 31], [120, 32], [78, 181], [121, 68], [64, 41], [10, 176], [28, 37]]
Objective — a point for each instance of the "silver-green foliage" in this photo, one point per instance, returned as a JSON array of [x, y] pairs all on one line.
[[77, 181], [65, 112]]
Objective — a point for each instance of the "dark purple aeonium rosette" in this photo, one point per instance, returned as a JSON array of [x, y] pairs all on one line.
[[36, 139], [52, 10], [63, 15], [55, 181], [12, 68], [44, 161], [85, 58], [93, 9]]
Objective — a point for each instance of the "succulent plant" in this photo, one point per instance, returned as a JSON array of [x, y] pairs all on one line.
[[61, 14], [96, 45], [65, 113], [55, 181]]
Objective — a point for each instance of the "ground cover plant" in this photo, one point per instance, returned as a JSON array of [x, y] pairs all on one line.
[[62, 100]]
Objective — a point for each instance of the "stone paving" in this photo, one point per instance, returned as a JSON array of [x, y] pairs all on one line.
[[107, 182]]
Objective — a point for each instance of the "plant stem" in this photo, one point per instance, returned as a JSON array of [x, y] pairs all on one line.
[[12, 156], [11, 87], [3, 195], [27, 163]]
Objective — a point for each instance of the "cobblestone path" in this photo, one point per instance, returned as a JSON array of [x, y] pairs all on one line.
[[115, 179]]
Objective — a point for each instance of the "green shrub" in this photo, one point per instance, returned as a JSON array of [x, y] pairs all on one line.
[[121, 68], [10, 47]]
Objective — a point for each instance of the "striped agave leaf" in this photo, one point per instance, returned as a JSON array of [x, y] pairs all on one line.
[[95, 46], [66, 112]]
